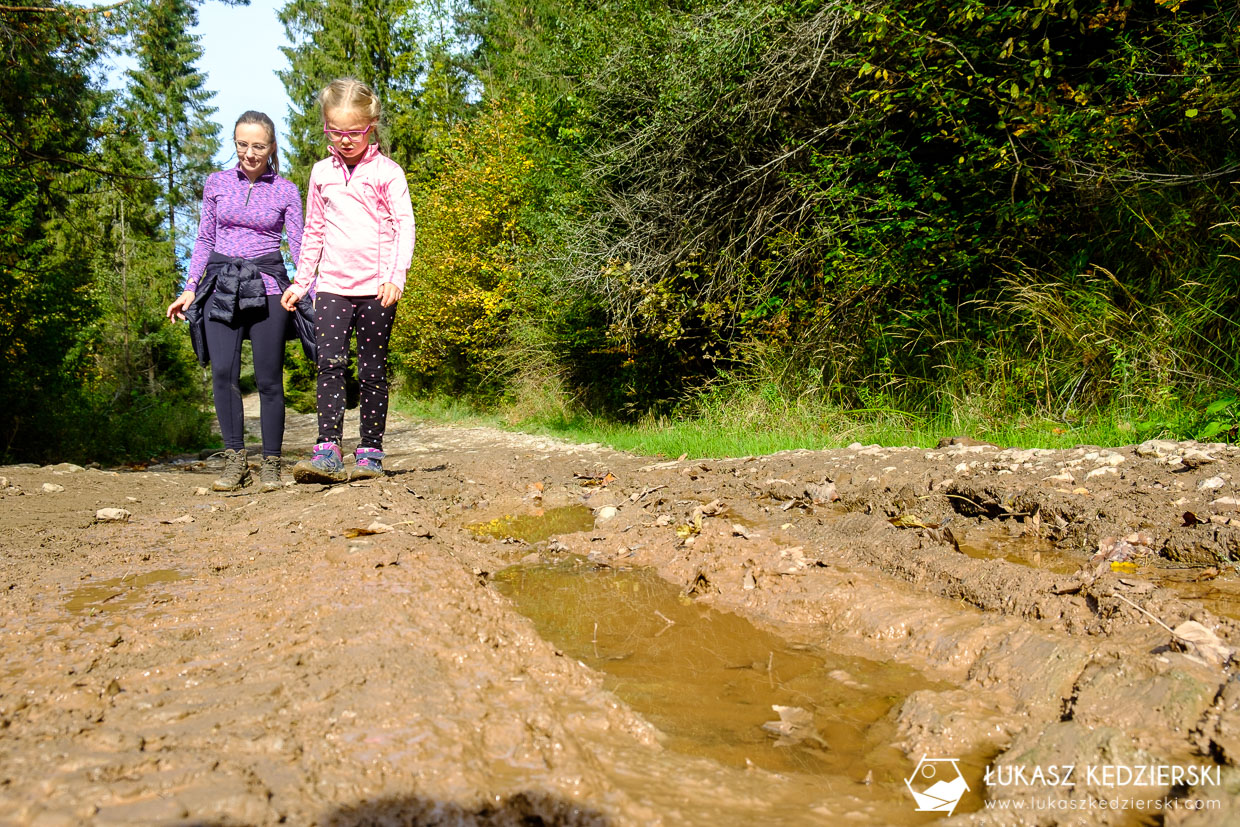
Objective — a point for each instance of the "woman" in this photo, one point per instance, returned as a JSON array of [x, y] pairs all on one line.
[[236, 278]]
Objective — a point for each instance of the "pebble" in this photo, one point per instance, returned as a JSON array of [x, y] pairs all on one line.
[[605, 513], [1104, 471], [201, 492], [1211, 484], [52, 488], [112, 515], [1226, 503]]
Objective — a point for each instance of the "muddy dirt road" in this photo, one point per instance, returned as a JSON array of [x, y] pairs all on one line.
[[511, 630]]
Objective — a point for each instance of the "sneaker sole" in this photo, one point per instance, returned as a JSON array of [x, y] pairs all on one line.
[[359, 474], [309, 474]]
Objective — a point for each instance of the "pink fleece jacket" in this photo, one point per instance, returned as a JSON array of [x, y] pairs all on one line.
[[359, 227]]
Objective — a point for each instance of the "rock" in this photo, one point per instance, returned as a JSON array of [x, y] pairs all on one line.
[[607, 512], [1194, 459], [1156, 448], [52, 488], [1211, 484], [66, 468], [1064, 476], [1226, 504], [112, 515], [201, 492], [1104, 471], [820, 494]]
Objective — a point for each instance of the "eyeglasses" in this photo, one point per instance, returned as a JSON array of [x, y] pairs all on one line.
[[243, 147], [337, 135]]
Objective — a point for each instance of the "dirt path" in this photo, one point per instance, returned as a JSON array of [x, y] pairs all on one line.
[[255, 659]]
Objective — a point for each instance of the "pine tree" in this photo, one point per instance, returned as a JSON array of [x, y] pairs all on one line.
[[172, 106], [47, 101], [375, 41]]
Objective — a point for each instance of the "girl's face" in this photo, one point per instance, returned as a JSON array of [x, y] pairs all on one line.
[[254, 148], [349, 132]]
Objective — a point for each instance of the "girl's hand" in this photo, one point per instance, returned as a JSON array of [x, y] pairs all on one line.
[[177, 309], [389, 294], [289, 300]]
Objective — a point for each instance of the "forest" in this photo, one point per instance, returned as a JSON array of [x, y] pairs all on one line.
[[650, 210]]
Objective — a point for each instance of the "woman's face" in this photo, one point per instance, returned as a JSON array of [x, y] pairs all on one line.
[[349, 132], [255, 147]]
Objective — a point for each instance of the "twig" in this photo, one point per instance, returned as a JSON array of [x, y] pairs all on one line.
[[1144, 612], [670, 623]]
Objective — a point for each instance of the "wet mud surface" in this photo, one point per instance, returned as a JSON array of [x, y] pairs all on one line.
[[511, 630]]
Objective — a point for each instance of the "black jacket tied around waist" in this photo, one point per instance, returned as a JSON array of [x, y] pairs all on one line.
[[231, 286]]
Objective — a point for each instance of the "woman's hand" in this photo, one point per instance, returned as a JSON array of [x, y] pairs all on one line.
[[389, 294], [289, 300], [177, 309]]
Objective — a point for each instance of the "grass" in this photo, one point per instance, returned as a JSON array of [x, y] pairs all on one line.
[[749, 427]]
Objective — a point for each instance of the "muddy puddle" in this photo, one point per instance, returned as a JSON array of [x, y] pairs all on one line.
[[1034, 552], [542, 524], [1216, 589], [121, 593], [711, 681]]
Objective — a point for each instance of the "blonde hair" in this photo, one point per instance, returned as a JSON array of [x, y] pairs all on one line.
[[351, 95]]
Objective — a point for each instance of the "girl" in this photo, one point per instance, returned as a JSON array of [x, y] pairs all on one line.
[[357, 247], [236, 278]]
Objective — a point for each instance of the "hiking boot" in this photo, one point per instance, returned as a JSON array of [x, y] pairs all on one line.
[[269, 475], [236, 472], [369, 464], [326, 466]]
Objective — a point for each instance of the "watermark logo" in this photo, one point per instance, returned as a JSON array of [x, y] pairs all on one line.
[[937, 785]]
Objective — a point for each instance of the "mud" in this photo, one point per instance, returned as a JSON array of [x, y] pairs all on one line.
[[511, 630]]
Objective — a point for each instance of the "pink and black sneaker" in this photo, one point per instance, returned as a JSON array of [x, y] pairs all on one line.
[[369, 464]]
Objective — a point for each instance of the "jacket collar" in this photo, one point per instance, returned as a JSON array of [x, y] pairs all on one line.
[[268, 174], [371, 151]]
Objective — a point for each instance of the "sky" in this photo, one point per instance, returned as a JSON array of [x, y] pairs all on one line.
[[240, 56]]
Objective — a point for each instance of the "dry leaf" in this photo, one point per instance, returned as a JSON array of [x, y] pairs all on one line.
[[374, 528], [909, 521], [795, 725], [1199, 641]]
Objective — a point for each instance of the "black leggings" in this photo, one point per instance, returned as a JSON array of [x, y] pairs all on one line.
[[335, 317], [265, 329]]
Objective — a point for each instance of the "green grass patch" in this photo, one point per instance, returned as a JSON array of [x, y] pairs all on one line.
[[732, 430]]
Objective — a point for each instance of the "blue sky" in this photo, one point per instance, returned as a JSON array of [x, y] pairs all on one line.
[[241, 55]]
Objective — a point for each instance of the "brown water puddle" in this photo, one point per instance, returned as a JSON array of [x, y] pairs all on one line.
[[708, 680], [1033, 552], [119, 593], [1219, 594], [538, 526]]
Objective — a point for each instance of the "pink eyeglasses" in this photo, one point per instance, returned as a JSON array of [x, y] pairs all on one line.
[[337, 135]]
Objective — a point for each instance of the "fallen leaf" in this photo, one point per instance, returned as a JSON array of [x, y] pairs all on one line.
[[795, 725], [596, 479], [909, 521], [1199, 641], [374, 528]]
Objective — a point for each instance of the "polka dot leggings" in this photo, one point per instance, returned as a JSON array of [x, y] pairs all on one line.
[[336, 317]]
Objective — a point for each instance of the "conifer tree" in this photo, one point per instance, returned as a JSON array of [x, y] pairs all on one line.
[[172, 106], [375, 41]]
